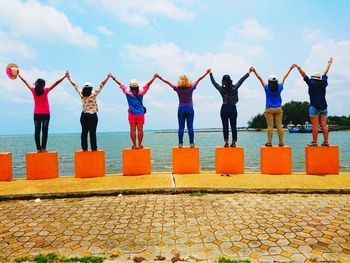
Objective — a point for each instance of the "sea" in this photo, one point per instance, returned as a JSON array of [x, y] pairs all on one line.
[[161, 143]]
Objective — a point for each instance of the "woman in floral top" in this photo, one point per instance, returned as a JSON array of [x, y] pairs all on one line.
[[88, 118]]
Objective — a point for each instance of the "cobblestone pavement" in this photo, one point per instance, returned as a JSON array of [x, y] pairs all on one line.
[[264, 228]]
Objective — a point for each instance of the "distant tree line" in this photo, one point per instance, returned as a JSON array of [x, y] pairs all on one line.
[[297, 112]]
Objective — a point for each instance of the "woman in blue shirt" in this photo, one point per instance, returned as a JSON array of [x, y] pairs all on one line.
[[273, 111], [318, 104]]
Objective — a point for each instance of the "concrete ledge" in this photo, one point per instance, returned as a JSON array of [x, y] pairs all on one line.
[[65, 187]]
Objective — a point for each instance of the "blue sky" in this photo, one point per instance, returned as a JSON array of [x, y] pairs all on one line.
[[136, 38]]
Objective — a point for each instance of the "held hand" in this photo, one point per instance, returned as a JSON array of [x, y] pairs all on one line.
[[156, 75], [251, 69], [330, 60], [67, 74], [110, 75], [208, 70]]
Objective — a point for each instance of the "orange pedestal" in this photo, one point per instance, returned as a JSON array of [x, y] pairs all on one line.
[[5, 166], [322, 159], [136, 161], [276, 160], [186, 160], [42, 165], [89, 163], [229, 160]]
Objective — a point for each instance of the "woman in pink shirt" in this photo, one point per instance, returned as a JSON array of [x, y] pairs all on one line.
[[41, 109]]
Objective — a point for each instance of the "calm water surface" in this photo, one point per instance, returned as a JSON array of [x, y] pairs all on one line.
[[161, 144]]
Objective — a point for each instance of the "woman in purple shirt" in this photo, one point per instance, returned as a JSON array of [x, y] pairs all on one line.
[[184, 90]]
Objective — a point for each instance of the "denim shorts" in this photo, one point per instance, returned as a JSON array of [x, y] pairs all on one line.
[[313, 112]]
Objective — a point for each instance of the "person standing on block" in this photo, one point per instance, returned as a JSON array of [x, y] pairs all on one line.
[[318, 105], [88, 117], [228, 112], [273, 111], [136, 111], [185, 113], [41, 109]]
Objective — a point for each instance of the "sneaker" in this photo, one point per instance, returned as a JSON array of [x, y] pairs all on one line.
[[268, 144], [233, 144], [226, 144], [180, 145], [312, 144], [325, 144], [192, 145], [281, 144]]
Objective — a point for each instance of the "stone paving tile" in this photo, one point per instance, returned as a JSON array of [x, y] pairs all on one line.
[[262, 228]]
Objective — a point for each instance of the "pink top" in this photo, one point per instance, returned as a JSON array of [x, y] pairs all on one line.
[[41, 103]]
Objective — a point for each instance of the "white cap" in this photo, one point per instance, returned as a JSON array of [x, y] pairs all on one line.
[[87, 84], [316, 75], [133, 83], [272, 78]]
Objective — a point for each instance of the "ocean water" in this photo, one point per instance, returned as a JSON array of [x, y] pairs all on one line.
[[161, 144]]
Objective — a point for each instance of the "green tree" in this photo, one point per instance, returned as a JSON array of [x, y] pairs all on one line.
[[295, 112], [258, 121]]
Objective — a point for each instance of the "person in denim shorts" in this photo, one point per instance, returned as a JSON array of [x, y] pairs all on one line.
[[318, 105]]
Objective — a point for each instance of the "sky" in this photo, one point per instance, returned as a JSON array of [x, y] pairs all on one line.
[[137, 38]]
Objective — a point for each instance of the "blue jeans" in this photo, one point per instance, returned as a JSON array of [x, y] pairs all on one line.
[[313, 112], [185, 113]]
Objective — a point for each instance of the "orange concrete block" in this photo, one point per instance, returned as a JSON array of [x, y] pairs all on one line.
[[136, 161], [322, 159], [276, 160], [186, 160], [89, 163], [5, 166], [42, 165], [229, 160]]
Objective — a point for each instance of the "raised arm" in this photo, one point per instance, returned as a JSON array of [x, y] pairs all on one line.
[[149, 83], [166, 81], [287, 73], [215, 84], [58, 81], [25, 82], [301, 71], [73, 84], [263, 83], [246, 75], [121, 85], [202, 77], [329, 63], [103, 82]]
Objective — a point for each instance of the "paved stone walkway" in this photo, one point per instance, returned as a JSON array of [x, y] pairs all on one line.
[[264, 228]]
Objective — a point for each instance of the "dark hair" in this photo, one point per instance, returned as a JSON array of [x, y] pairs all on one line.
[[226, 82], [273, 85], [87, 91], [135, 91], [39, 87]]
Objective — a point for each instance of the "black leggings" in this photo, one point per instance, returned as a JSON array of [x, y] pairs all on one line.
[[41, 121], [229, 112], [88, 124]]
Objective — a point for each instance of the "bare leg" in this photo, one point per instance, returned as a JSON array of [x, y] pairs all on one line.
[[133, 134], [323, 122], [314, 122], [140, 134]]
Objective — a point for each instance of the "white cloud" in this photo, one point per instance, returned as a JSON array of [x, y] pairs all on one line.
[[139, 12], [338, 93], [36, 20], [252, 29], [9, 46], [104, 31]]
